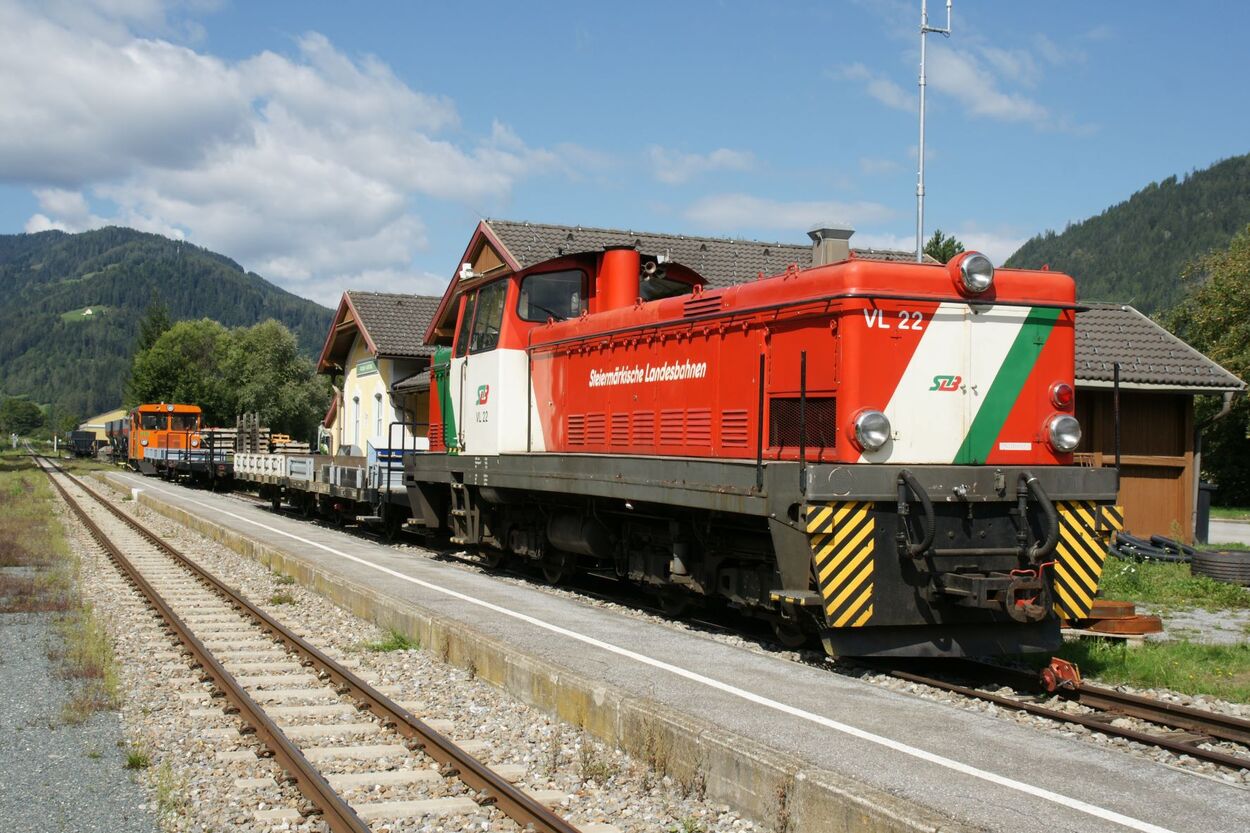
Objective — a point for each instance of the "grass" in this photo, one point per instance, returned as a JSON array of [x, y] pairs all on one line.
[[284, 580], [1169, 585], [43, 578], [1218, 670], [591, 766], [138, 759], [393, 641], [282, 598], [688, 824], [1230, 513], [86, 658]]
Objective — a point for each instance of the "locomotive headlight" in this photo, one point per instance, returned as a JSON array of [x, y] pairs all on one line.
[[976, 273], [195, 442], [1064, 433], [872, 430]]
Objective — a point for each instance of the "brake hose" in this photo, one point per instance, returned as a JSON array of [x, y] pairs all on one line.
[[930, 519], [1039, 551]]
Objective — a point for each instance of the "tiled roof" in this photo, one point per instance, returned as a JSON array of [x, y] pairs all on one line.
[[396, 323], [1149, 355], [417, 381], [722, 261]]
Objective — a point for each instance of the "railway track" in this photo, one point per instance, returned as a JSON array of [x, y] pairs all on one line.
[[274, 680], [1208, 736]]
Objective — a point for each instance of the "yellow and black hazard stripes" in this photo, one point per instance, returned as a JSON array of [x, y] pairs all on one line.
[[1110, 519], [1079, 557], [841, 538]]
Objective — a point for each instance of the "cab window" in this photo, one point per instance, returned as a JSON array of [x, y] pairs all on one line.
[[466, 321], [558, 295], [183, 422], [152, 422], [489, 317]]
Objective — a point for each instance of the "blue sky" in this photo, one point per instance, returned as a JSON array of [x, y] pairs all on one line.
[[330, 146]]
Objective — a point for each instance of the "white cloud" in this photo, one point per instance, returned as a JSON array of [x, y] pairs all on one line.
[[726, 213], [875, 165], [961, 75], [673, 167], [879, 87], [310, 168]]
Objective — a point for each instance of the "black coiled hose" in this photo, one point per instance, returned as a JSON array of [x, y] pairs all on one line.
[[1039, 551], [930, 519]]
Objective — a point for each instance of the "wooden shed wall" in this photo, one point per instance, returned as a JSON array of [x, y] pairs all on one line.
[[1157, 456]]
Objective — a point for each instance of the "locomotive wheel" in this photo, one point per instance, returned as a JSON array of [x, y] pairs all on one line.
[[557, 567], [789, 633], [392, 526], [492, 558], [275, 502]]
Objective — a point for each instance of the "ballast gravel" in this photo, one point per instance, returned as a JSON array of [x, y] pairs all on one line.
[[196, 759]]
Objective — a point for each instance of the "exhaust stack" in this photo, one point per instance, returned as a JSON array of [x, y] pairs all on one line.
[[617, 285], [830, 244]]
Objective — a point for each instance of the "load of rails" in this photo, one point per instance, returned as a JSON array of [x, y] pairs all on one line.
[[878, 454], [147, 569]]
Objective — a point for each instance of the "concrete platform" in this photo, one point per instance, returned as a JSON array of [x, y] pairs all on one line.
[[774, 739]]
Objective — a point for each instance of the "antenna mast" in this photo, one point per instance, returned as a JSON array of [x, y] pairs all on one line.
[[925, 29]]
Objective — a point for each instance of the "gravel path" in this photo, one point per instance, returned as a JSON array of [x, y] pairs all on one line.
[[194, 750], [57, 777]]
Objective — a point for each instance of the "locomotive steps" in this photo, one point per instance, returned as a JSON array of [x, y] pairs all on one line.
[[793, 746]]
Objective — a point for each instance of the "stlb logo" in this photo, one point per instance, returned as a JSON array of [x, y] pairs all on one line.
[[483, 393], [946, 383]]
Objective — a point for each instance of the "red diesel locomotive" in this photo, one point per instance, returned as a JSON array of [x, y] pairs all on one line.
[[877, 453]]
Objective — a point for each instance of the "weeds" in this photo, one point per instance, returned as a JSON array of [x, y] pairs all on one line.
[[1169, 584], [284, 580], [85, 657], [393, 641], [170, 790], [555, 746], [688, 824], [591, 766], [282, 598], [137, 759]]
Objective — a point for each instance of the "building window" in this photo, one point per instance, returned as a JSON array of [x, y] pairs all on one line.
[[356, 421], [377, 423]]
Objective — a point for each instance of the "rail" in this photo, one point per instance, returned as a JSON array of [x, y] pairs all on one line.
[[1197, 726]]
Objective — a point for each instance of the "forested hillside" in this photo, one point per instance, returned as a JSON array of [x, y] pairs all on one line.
[[73, 302], [1135, 251]]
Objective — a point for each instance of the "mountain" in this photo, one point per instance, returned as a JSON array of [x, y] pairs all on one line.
[[1135, 251], [72, 304]]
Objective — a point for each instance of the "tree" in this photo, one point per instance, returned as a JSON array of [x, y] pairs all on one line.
[[1215, 318], [183, 366], [19, 416], [942, 247], [154, 324], [269, 376]]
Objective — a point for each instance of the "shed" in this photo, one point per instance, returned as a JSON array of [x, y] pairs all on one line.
[[1160, 376]]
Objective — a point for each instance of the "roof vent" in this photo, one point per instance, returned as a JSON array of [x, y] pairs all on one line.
[[830, 244]]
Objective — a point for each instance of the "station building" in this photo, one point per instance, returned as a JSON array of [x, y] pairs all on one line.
[[373, 352]]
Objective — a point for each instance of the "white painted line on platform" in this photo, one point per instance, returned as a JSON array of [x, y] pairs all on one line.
[[793, 711]]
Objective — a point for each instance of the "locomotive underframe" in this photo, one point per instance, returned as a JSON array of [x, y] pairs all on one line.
[[736, 531]]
